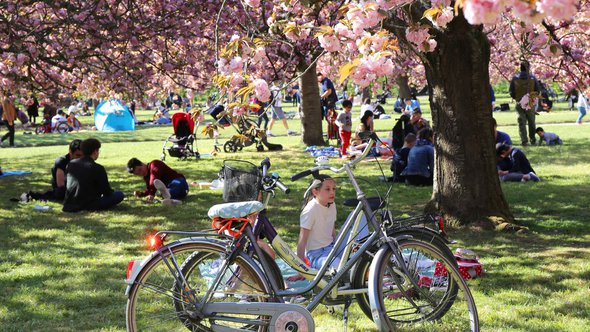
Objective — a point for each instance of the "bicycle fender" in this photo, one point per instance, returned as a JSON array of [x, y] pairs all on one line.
[[379, 316], [139, 265]]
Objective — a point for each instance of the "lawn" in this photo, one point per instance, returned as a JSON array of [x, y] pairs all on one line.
[[65, 272]]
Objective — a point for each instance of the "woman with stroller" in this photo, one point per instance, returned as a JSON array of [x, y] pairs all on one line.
[[159, 177]]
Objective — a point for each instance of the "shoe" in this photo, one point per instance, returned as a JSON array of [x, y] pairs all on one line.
[[162, 188], [269, 134], [533, 177], [525, 144], [291, 133], [25, 197], [171, 202]]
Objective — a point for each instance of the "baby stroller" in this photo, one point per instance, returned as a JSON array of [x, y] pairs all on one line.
[[183, 138], [248, 131]]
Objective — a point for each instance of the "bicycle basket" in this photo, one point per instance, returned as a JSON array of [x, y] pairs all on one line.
[[241, 181]]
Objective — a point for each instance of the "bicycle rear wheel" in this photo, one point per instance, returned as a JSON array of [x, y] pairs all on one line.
[[442, 296], [158, 302]]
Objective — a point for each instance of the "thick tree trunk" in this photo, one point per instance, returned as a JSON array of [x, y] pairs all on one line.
[[466, 185], [311, 108]]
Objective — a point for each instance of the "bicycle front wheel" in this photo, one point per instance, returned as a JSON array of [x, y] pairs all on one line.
[[442, 295], [361, 270], [159, 302]]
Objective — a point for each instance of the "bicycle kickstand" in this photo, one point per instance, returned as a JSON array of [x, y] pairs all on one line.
[[347, 302]]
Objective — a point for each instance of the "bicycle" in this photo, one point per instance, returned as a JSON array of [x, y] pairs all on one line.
[[60, 127], [226, 281]]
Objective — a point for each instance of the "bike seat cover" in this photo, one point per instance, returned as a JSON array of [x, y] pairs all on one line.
[[235, 209]]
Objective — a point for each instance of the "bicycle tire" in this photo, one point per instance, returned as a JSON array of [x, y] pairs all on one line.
[[40, 130], [62, 128], [360, 272], [441, 306], [157, 302]]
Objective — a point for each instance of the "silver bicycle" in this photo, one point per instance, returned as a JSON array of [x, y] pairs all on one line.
[[224, 279]]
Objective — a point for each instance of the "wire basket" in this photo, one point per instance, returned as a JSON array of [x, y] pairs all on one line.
[[241, 181]]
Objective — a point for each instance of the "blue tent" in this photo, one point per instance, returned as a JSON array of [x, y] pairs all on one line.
[[110, 115]]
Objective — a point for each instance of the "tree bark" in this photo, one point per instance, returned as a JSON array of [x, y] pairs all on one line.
[[466, 184], [403, 86], [311, 107]]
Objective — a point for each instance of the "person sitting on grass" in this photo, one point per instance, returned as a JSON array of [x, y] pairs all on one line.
[[513, 165], [400, 160], [58, 177], [159, 176], [547, 137], [73, 122], [420, 167], [87, 183], [500, 136]]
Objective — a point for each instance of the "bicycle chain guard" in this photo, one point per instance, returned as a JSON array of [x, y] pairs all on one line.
[[283, 316]]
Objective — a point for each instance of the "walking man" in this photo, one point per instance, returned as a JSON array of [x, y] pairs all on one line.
[[521, 85]]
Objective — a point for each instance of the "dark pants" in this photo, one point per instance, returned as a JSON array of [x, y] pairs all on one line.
[[263, 116], [418, 180], [526, 118], [178, 188], [9, 134], [107, 202], [55, 194]]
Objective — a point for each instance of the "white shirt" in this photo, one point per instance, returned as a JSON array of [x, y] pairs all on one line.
[[56, 119], [582, 101], [320, 221], [278, 96], [72, 108]]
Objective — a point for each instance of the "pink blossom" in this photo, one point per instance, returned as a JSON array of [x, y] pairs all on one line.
[[252, 3], [445, 17], [261, 90], [236, 79], [558, 9], [236, 64], [481, 11], [330, 43]]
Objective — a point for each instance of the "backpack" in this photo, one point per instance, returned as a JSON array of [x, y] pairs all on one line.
[[522, 87]]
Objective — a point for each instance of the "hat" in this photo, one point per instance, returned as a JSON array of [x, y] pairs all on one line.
[[132, 163]]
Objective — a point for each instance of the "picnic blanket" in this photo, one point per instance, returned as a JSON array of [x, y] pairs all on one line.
[[327, 151], [9, 173]]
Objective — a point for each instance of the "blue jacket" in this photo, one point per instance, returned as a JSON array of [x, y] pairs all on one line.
[[420, 159]]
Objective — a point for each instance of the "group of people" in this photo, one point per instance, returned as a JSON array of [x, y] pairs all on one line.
[[82, 184]]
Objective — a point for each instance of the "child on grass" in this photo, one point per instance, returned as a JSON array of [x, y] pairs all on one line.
[[344, 123], [547, 137]]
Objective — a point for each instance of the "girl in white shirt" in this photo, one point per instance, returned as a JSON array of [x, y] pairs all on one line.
[[582, 105], [317, 222]]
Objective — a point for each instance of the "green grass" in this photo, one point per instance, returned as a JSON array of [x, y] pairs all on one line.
[[65, 272]]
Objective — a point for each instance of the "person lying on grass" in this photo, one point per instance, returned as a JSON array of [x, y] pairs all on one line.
[[159, 177]]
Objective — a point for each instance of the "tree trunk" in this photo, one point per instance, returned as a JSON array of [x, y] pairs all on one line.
[[403, 86], [311, 107], [466, 185]]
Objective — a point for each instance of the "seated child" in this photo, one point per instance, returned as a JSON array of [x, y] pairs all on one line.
[[513, 165], [73, 122], [318, 232], [547, 137]]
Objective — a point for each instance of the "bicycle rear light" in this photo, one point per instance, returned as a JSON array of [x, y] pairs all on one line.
[[154, 241]]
